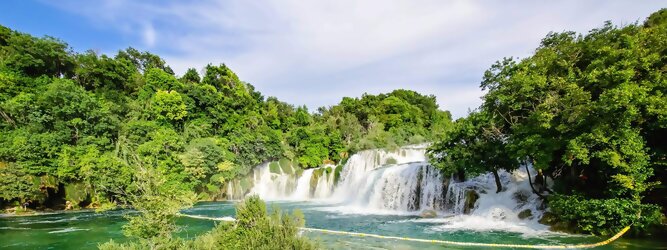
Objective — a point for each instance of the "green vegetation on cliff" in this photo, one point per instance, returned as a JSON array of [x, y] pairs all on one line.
[[586, 111], [75, 126]]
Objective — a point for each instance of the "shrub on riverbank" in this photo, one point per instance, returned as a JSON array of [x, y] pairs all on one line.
[[604, 216], [255, 229]]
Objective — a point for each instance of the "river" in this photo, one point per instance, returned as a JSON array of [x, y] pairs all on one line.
[[85, 230], [375, 191]]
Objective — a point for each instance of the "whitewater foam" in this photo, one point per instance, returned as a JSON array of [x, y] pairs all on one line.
[[68, 230], [402, 182]]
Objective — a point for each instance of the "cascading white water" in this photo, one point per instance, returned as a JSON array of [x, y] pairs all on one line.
[[359, 174], [401, 181], [382, 181], [324, 186], [302, 191], [495, 211], [397, 180], [271, 186]]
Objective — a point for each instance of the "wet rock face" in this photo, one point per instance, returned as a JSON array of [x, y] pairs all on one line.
[[525, 214], [416, 195], [521, 197], [428, 213], [471, 197]]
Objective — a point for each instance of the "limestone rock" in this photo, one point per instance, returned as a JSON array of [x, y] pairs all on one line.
[[428, 213], [525, 214], [471, 197]]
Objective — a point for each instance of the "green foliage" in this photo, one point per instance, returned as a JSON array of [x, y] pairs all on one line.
[[101, 72], [274, 167], [89, 119], [604, 216], [584, 110], [256, 229], [34, 56], [157, 202], [286, 166], [143, 61], [474, 145], [337, 170], [16, 185], [168, 106], [191, 76], [76, 193]]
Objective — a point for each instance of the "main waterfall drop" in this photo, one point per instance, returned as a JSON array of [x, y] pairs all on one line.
[[390, 181]]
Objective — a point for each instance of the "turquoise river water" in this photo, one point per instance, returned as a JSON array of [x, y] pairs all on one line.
[[85, 230]]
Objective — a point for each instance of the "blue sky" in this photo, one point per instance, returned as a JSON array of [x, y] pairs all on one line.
[[316, 52]]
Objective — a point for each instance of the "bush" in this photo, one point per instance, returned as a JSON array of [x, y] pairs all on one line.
[[255, 229], [604, 216]]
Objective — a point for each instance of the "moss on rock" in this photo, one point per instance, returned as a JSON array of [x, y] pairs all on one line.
[[274, 167], [286, 166], [525, 214], [337, 171], [76, 193]]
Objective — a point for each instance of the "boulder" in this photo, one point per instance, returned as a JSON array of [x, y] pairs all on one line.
[[525, 214], [68, 205], [521, 197], [428, 213], [471, 197]]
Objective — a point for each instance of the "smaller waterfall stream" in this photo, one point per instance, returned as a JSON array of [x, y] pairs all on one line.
[[302, 191]]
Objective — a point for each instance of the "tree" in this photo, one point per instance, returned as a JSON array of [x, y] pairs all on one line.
[[584, 110], [35, 56], [143, 61], [16, 185], [191, 76], [168, 106]]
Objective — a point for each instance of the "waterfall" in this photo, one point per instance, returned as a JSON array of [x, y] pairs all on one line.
[[515, 209], [393, 181], [302, 191], [388, 180]]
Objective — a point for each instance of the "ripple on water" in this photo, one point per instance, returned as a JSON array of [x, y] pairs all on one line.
[[14, 228], [30, 222], [68, 230]]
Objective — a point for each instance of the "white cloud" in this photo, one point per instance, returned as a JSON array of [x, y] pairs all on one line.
[[149, 35], [316, 52]]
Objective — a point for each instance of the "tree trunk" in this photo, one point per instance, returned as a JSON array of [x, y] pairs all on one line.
[[461, 175], [499, 185], [530, 181]]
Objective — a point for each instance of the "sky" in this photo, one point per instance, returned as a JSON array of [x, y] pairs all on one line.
[[315, 52]]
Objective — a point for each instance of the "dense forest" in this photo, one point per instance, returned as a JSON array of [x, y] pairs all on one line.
[[75, 127], [589, 113]]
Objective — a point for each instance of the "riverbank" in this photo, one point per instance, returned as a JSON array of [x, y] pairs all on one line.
[[12, 212]]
